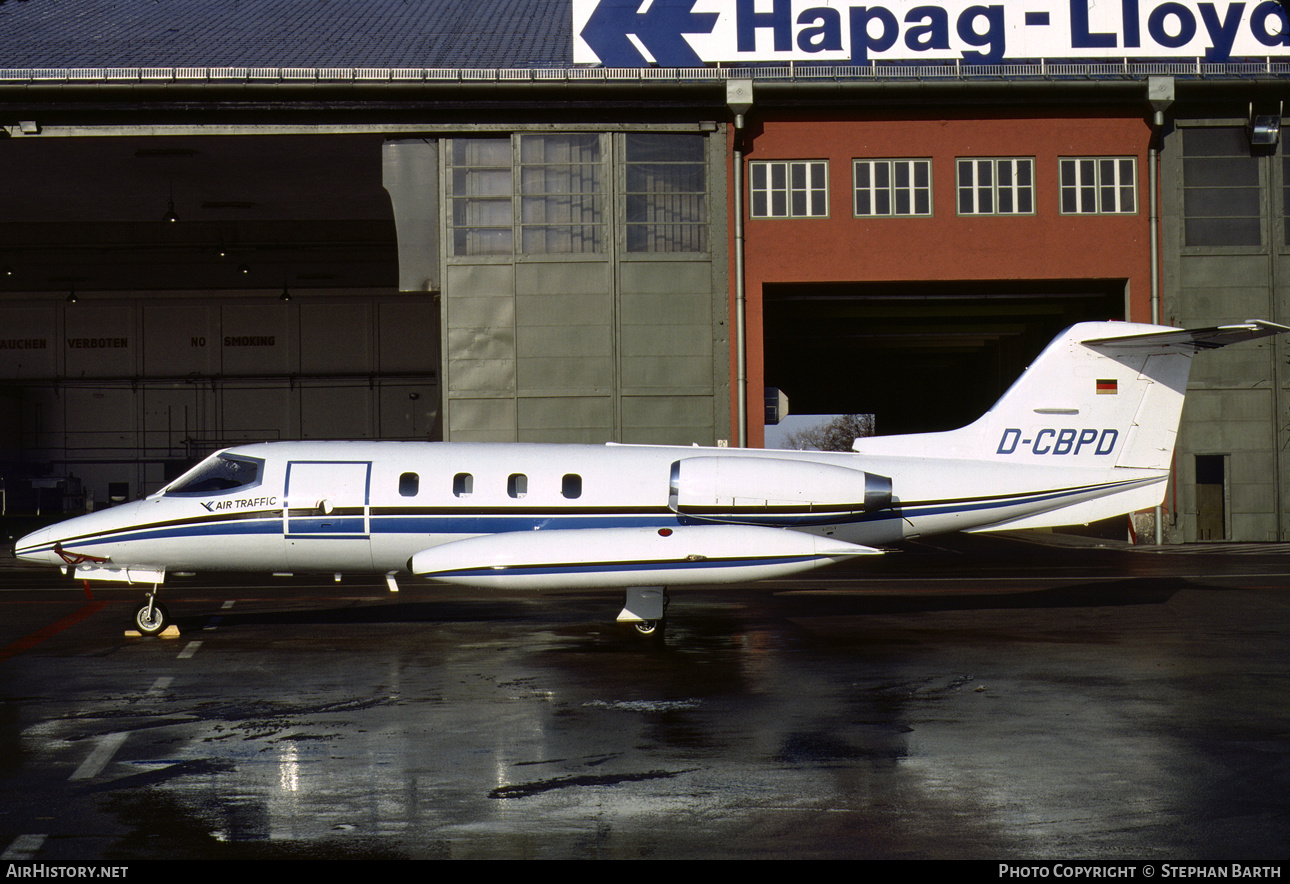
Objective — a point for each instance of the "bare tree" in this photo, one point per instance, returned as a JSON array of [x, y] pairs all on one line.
[[832, 435]]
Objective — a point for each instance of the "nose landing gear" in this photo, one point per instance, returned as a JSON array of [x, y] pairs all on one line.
[[151, 617]]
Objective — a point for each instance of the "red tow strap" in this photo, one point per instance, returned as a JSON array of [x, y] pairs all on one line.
[[74, 559]]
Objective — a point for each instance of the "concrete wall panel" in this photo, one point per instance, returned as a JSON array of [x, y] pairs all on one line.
[[29, 342], [331, 412], [257, 414], [673, 420], [409, 336], [482, 420], [257, 339], [571, 419], [180, 339], [335, 338], [408, 411], [100, 340]]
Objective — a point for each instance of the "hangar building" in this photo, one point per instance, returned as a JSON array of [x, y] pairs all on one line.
[[597, 220]]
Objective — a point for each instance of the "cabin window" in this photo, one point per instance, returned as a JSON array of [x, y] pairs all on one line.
[[409, 484], [517, 485], [217, 474], [571, 486], [463, 484]]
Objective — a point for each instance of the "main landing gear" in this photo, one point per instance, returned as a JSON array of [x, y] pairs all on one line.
[[151, 617], [645, 608]]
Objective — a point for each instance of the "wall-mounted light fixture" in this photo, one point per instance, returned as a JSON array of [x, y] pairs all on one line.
[[1264, 129]]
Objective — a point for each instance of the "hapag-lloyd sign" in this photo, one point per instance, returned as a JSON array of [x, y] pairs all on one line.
[[689, 33]]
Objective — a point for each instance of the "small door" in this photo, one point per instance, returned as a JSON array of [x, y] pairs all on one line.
[[1211, 497], [327, 498], [326, 515]]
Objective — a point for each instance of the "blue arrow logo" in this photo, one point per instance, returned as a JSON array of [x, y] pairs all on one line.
[[658, 29]]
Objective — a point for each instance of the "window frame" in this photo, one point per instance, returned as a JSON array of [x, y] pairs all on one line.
[[1187, 215], [770, 189], [1098, 187], [892, 188], [467, 207], [664, 219], [994, 187], [579, 237]]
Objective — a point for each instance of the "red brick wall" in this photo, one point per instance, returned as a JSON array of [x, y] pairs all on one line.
[[946, 246]]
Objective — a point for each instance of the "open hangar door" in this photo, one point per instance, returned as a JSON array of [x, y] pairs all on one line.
[[163, 297], [921, 357]]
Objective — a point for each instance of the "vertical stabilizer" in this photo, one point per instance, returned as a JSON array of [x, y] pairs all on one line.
[[1102, 394], [1093, 404]]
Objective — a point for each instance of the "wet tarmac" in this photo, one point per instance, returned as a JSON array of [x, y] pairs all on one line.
[[977, 698]]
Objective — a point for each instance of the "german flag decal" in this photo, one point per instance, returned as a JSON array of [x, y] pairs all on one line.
[[1106, 385]]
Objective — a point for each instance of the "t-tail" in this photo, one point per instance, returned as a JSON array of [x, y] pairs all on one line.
[[1099, 408]]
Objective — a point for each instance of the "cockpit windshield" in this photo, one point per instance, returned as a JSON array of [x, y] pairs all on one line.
[[218, 474]]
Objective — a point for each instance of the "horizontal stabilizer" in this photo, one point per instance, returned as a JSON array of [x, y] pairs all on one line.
[[1192, 340]]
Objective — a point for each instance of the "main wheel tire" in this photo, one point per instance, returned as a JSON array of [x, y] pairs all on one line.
[[152, 622], [649, 627]]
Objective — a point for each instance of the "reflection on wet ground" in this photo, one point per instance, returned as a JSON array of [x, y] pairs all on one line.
[[987, 699]]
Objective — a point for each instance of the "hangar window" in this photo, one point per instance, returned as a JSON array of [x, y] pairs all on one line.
[[463, 484], [1222, 196], [999, 186], [886, 188], [480, 215], [561, 199], [1099, 185], [789, 189], [666, 196], [409, 484]]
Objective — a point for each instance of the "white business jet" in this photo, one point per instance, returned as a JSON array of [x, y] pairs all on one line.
[[1086, 433]]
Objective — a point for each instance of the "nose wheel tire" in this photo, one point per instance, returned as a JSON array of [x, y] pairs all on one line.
[[151, 618], [649, 627]]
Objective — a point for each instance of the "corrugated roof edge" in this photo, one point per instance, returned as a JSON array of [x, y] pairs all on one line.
[[810, 72]]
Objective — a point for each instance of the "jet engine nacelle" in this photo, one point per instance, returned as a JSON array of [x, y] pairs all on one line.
[[770, 491]]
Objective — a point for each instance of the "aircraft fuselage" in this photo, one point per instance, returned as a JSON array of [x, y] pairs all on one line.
[[361, 506]]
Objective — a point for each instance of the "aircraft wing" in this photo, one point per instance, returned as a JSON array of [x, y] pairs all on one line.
[[684, 555]]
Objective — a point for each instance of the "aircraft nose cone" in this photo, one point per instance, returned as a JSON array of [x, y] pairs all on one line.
[[37, 548]]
